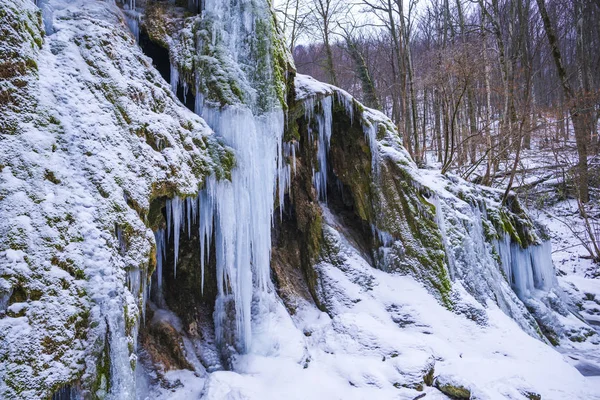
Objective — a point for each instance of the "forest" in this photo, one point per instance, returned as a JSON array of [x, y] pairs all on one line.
[[505, 93]]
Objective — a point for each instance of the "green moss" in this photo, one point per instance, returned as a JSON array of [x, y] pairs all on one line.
[[69, 266], [224, 161], [19, 295], [315, 236], [49, 175], [101, 385]]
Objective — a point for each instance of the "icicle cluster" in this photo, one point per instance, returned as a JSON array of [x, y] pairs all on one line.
[[527, 269], [324, 122], [239, 212], [284, 170], [346, 100], [441, 223], [133, 19], [235, 216]]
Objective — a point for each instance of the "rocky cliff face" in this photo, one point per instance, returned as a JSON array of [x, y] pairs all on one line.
[[201, 208], [92, 139]]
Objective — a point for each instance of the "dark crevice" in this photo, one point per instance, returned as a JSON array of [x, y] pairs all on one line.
[[181, 294], [195, 6], [348, 157], [158, 54], [289, 258], [182, 287], [67, 392], [162, 62], [187, 98], [340, 202]]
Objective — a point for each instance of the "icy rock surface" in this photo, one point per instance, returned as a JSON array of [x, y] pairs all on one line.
[[98, 135], [227, 55], [381, 337]]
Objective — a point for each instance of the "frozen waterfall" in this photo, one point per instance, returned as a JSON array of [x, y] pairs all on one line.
[[237, 213], [324, 122], [527, 269], [234, 216]]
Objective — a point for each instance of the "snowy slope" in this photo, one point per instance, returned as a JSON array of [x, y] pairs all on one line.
[[382, 335]]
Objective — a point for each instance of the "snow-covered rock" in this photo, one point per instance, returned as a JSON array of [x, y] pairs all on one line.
[[295, 241], [91, 138]]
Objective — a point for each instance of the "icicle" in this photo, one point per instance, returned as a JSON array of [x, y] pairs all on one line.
[[205, 226], [324, 123], [159, 237], [175, 215], [145, 282], [294, 156], [185, 90], [133, 281], [370, 132], [346, 100], [174, 78], [188, 211], [286, 150], [169, 217]]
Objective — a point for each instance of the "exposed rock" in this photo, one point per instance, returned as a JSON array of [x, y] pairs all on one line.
[[453, 386], [531, 395]]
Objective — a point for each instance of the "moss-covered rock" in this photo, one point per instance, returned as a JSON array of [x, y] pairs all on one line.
[[453, 387]]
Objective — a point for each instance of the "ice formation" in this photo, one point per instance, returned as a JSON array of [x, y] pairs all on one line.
[[159, 237], [236, 212], [441, 223], [239, 212], [529, 269], [174, 78], [236, 215], [323, 121], [133, 22], [47, 15]]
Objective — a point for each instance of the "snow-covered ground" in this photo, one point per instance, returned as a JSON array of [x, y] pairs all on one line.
[[577, 275], [386, 332]]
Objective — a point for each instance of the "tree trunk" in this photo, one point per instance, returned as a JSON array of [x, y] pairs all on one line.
[[579, 125]]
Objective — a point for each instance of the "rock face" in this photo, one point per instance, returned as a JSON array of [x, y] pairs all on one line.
[[91, 137], [203, 208]]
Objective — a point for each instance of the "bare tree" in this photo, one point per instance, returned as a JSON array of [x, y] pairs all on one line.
[[575, 106], [324, 15]]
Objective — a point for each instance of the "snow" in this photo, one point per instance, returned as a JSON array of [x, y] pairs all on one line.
[[78, 240], [362, 350]]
